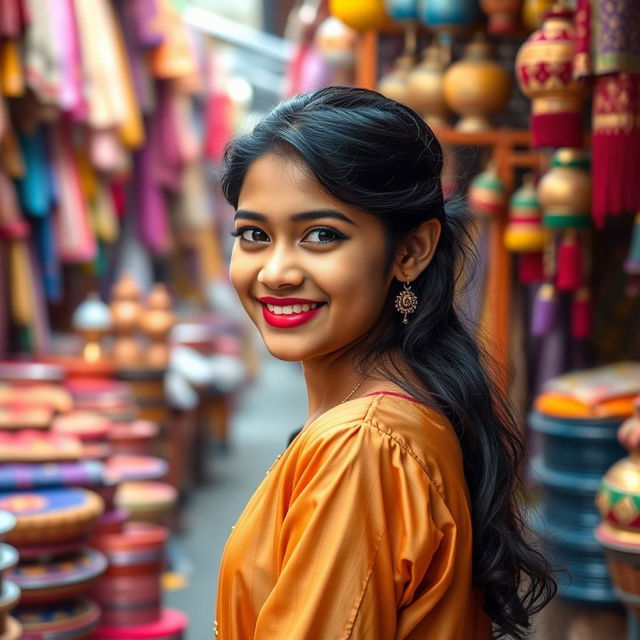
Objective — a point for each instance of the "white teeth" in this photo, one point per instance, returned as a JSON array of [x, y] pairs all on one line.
[[289, 309]]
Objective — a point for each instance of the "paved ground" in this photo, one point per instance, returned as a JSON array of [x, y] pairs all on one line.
[[267, 413]]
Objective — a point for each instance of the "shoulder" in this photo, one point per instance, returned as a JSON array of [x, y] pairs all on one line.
[[383, 429]]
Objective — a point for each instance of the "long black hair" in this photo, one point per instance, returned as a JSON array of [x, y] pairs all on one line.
[[380, 156]]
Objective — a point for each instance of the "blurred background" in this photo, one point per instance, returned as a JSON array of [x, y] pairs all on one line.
[[138, 408]]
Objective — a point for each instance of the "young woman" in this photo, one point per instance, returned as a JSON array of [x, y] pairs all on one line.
[[392, 514]]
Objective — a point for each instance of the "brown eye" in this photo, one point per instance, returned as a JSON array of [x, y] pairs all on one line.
[[251, 234], [323, 235]]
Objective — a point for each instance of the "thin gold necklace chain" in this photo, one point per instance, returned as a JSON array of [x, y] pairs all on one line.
[[354, 390]]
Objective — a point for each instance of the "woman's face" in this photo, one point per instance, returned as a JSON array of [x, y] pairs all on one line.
[[308, 268]]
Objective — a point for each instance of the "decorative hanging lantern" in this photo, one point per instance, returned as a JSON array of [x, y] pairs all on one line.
[[394, 84], [533, 12], [524, 233], [476, 86], [544, 68], [425, 89], [619, 504], [448, 18], [487, 193], [361, 15], [504, 15], [405, 12], [565, 196]]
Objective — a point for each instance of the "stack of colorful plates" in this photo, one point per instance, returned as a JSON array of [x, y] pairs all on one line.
[[75, 619], [170, 626], [147, 501], [130, 592], [134, 438], [87, 426], [10, 629], [112, 399], [28, 445]]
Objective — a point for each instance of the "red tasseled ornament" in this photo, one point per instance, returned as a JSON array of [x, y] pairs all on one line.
[[569, 265], [581, 315], [531, 268]]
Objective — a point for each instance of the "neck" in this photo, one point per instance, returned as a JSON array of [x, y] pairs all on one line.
[[330, 379]]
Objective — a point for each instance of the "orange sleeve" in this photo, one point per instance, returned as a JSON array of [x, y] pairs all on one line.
[[359, 541]]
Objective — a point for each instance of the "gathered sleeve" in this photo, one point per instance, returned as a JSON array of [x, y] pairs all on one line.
[[365, 534]]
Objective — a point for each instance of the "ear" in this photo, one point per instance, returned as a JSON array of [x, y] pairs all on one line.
[[415, 252]]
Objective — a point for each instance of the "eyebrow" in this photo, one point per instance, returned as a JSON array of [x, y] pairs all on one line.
[[243, 214]]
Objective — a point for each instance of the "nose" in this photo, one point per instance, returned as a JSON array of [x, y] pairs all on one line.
[[280, 270]]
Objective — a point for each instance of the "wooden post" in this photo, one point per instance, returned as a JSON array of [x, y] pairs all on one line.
[[367, 60]]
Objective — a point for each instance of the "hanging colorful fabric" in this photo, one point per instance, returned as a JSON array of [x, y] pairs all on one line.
[[524, 233], [35, 186], [75, 238], [544, 70]]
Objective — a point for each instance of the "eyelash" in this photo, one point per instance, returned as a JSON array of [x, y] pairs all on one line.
[[337, 234]]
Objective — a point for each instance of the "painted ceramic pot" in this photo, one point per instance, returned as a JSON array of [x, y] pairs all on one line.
[[544, 69], [361, 15], [448, 16], [487, 193], [402, 10], [565, 191], [476, 87], [619, 504], [524, 232], [425, 88], [504, 16], [394, 84], [336, 43]]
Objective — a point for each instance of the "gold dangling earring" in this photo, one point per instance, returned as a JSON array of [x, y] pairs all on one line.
[[406, 302]]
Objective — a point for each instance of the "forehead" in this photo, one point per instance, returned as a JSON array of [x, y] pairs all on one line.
[[282, 183]]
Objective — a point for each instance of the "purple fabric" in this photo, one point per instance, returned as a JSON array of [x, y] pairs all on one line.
[[146, 23]]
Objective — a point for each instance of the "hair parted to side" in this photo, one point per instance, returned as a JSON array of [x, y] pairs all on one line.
[[379, 155]]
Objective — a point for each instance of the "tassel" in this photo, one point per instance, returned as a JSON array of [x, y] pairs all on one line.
[[569, 269], [632, 263], [545, 309], [531, 268], [581, 314]]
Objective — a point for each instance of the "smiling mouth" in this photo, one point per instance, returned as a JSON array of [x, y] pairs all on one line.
[[288, 316]]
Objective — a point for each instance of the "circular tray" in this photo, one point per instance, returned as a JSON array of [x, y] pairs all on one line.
[[146, 496], [31, 372], [67, 577], [123, 468], [7, 522], [51, 396], [16, 417], [25, 476], [52, 551], [37, 446], [72, 620], [8, 557], [9, 596], [46, 516], [133, 438], [87, 426], [170, 626]]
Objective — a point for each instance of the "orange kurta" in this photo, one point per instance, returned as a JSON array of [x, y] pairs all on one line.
[[360, 530]]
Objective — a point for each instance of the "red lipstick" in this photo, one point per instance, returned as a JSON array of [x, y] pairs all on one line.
[[289, 320]]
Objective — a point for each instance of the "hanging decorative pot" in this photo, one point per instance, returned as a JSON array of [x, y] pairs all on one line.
[[425, 88], [476, 86], [336, 43], [402, 10], [504, 15], [565, 197], [524, 233], [361, 15], [447, 18], [619, 505], [487, 193], [533, 12], [394, 84], [544, 68]]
